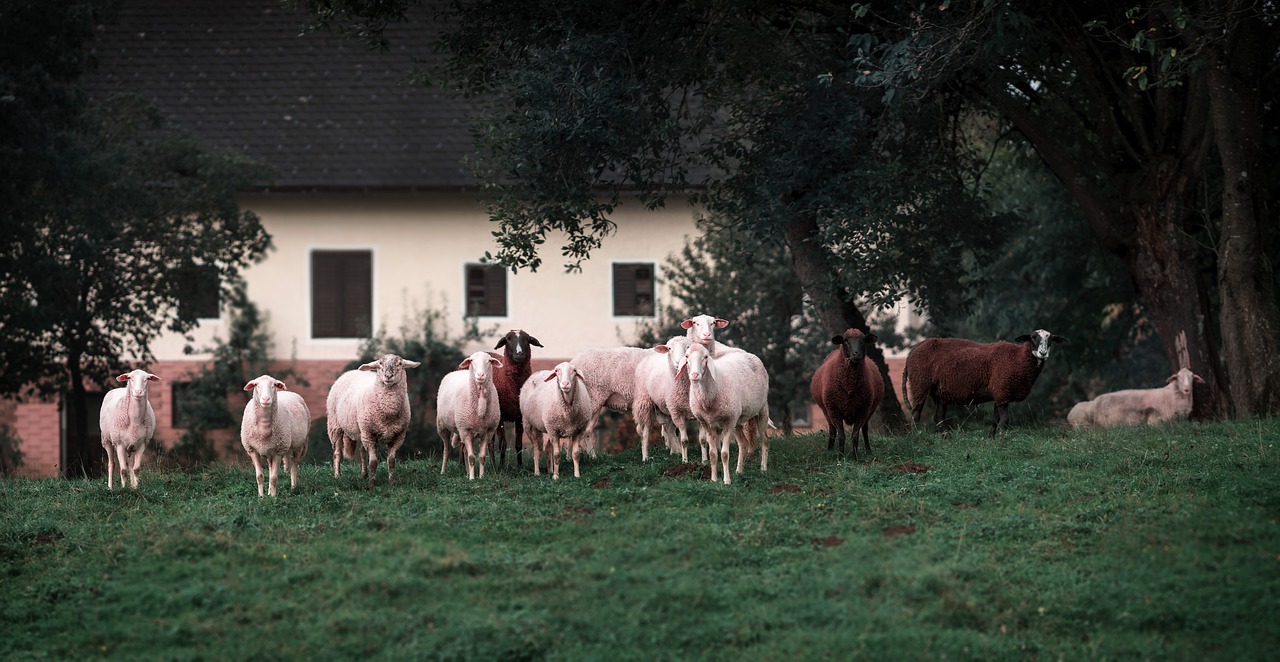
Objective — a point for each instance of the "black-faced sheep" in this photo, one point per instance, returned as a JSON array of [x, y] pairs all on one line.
[[127, 423], [962, 372], [848, 388], [516, 367], [275, 426], [1150, 406], [368, 406]]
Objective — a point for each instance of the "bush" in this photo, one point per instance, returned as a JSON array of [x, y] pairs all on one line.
[[11, 456]]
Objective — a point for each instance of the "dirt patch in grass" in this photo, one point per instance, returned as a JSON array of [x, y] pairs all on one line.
[[899, 530], [575, 514], [785, 488], [829, 541], [49, 538], [603, 483], [965, 506], [910, 468], [686, 468]]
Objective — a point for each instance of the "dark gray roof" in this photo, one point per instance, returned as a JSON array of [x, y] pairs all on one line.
[[326, 114]]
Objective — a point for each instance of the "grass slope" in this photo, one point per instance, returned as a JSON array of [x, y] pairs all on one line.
[[1161, 543]]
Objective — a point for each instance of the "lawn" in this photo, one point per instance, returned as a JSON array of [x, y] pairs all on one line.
[[1043, 543]]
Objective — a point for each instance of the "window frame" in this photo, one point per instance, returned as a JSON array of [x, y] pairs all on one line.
[[310, 289], [613, 288]]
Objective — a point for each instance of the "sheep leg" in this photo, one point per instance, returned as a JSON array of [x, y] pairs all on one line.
[[369, 462], [744, 446], [1001, 421], [335, 438], [682, 433], [293, 471], [724, 453], [469, 453], [575, 447], [519, 434], [501, 441], [866, 437], [939, 415], [274, 467], [555, 456], [257, 470], [484, 444], [111, 466], [391, 456], [764, 442], [137, 466]]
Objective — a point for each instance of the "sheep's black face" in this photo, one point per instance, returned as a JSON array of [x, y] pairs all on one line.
[[517, 343], [853, 344]]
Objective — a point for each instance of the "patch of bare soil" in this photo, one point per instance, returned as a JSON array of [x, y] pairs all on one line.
[[684, 468], [829, 541], [785, 488], [576, 514], [49, 538], [899, 530], [910, 468], [603, 483]]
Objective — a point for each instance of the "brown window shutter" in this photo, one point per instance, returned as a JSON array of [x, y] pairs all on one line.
[[486, 290], [357, 300], [341, 294], [633, 289]]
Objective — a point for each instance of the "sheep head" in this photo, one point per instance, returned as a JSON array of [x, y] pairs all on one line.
[[517, 344], [264, 389], [853, 344], [1040, 340], [390, 368], [566, 376], [702, 328], [479, 364], [1184, 378], [138, 380]]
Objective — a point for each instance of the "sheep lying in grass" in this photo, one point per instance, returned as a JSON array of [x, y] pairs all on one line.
[[366, 407], [275, 427], [556, 408], [847, 388], [467, 409], [726, 392], [128, 423], [1150, 406], [962, 372]]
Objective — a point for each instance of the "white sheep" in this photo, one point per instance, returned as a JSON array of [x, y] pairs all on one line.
[[555, 408], [366, 409], [726, 392], [660, 396], [1138, 406], [613, 376], [275, 426], [467, 409], [127, 423], [701, 329]]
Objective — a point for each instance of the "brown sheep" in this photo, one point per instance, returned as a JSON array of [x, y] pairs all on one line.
[[516, 368], [848, 388], [958, 371]]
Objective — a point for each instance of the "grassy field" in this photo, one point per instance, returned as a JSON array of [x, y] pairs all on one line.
[[1042, 544]]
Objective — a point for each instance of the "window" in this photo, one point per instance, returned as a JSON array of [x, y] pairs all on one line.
[[633, 289], [199, 289], [181, 404], [341, 294], [486, 290]]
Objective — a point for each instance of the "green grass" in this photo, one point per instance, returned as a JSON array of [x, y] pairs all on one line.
[[1161, 543]]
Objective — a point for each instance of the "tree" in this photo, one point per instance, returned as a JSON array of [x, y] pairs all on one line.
[[757, 105], [106, 214]]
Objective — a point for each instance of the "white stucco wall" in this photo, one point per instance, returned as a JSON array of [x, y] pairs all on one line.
[[420, 244]]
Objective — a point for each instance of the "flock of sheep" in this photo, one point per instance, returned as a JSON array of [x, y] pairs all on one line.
[[725, 389]]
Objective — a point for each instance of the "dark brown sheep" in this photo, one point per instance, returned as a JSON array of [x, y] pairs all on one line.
[[508, 379], [963, 372], [848, 389]]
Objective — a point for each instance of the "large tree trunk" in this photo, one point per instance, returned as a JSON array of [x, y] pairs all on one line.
[[81, 459], [836, 310], [1249, 317]]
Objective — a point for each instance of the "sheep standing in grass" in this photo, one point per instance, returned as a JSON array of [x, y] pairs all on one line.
[[556, 406], [366, 407], [275, 427], [515, 369], [726, 392], [467, 409], [1138, 406], [660, 396], [957, 371], [847, 388], [613, 376], [127, 423]]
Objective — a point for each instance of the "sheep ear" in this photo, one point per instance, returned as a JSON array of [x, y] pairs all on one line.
[[1172, 378], [680, 367], [1196, 377], [466, 363], [871, 337], [153, 378], [280, 385], [410, 364], [1023, 338], [837, 340], [372, 365], [720, 324], [550, 376], [661, 349], [123, 378], [686, 324], [1058, 339], [534, 341], [582, 379], [711, 370], [250, 385], [496, 363], [501, 343]]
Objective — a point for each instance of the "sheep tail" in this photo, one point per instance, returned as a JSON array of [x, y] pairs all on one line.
[[349, 448]]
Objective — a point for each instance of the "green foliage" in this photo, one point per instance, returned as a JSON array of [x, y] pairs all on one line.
[[423, 337], [1147, 543], [11, 455], [214, 390]]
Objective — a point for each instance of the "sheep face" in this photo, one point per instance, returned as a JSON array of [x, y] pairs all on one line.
[[517, 343], [702, 328], [675, 349], [480, 364], [1184, 379], [139, 381], [853, 344], [566, 377], [264, 389], [1040, 340], [390, 368], [698, 362]]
